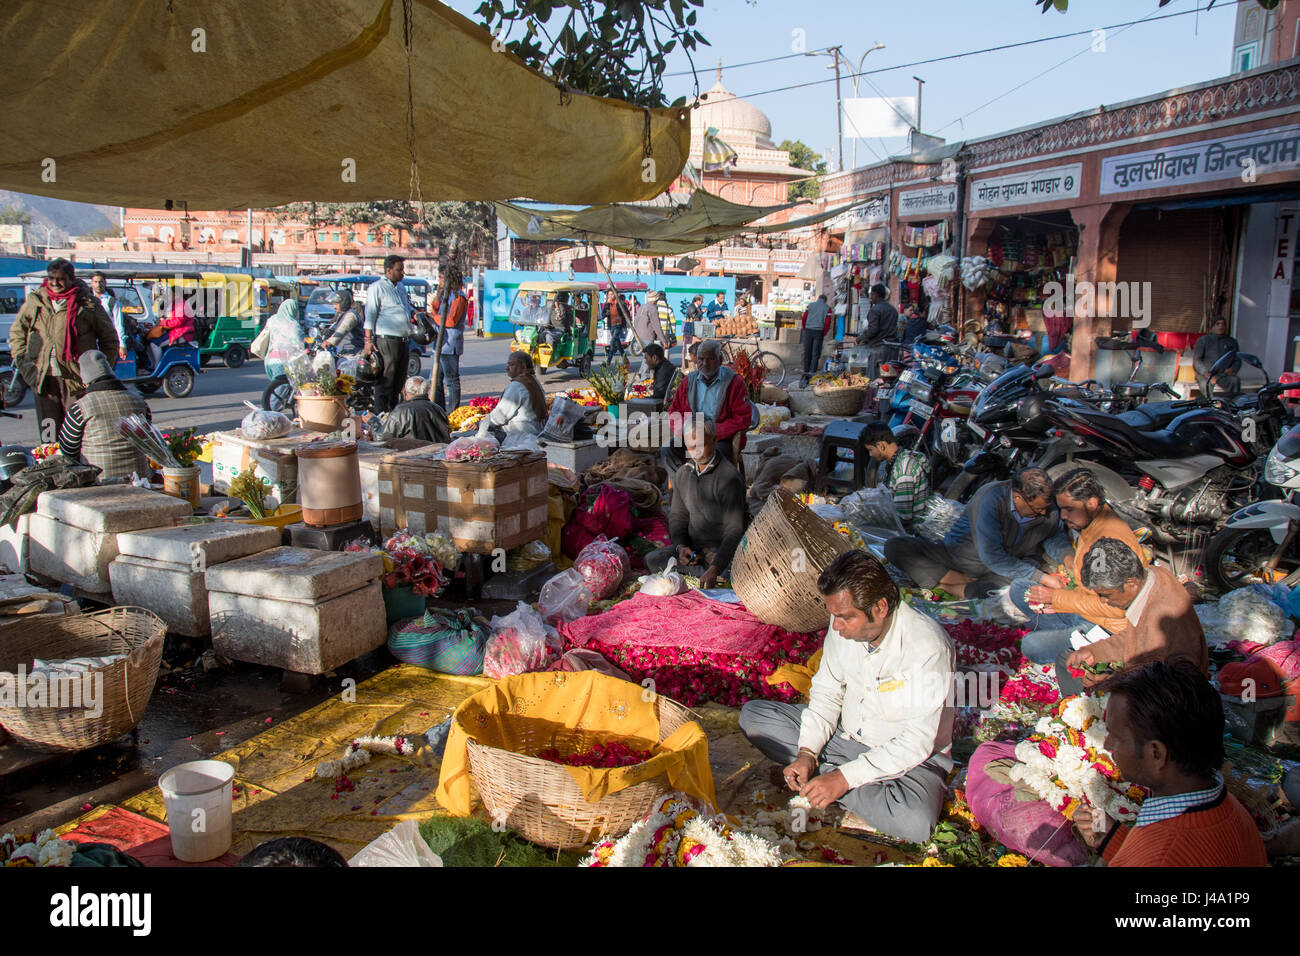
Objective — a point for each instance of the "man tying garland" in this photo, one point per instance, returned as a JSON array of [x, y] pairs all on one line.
[[876, 734]]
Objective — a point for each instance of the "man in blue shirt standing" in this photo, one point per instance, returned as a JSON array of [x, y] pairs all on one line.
[[717, 309], [388, 330], [1009, 530]]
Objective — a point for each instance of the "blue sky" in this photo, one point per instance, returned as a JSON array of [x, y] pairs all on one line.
[[1136, 61]]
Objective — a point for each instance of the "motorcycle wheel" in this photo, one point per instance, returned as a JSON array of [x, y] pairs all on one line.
[[278, 396], [13, 387], [413, 366], [1235, 557]]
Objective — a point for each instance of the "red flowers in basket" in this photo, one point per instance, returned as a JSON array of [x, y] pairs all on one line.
[[601, 756]]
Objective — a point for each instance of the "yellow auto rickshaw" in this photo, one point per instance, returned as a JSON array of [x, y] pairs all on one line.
[[555, 323]]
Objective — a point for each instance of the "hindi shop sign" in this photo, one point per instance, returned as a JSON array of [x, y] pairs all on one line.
[[1231, 157], [1022, 189], [927, 203]]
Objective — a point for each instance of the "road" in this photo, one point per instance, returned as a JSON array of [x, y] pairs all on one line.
[[219, 393]]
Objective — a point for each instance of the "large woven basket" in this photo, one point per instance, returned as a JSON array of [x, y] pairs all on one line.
[[839, 400], [776, 567], [541, 801], [126, 688]]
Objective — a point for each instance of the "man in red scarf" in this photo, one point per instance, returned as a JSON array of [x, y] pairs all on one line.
[[57, 323]]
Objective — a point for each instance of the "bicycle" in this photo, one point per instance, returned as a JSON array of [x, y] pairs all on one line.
[[774, 364]]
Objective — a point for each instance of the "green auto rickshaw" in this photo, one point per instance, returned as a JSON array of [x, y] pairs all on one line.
[[555, 323]]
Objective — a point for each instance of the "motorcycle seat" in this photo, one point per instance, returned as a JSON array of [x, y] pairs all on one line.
[[1155, 416], [1157, 442]]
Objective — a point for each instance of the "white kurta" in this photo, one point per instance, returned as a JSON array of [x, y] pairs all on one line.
[[514, 414]]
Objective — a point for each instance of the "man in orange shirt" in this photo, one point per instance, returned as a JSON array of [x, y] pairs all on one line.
[[1164, 726], [1054, 610]]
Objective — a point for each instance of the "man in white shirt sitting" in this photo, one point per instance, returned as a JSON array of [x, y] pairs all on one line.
[[876, 734]]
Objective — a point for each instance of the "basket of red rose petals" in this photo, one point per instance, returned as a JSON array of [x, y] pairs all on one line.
[[534, 786]]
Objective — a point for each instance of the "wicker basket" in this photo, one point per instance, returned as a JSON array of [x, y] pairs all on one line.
[[839, 400], [540, 799], [763, 572], [127, 684]]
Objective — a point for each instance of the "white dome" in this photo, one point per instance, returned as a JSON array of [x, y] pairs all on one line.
[[738, 122]]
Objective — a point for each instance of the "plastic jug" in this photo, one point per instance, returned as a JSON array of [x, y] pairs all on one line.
[[198, 796]]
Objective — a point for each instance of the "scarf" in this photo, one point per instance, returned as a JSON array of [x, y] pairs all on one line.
[[67, 300], [536, 397]]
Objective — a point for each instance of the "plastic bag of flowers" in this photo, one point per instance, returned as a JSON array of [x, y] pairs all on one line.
[[602, 564], [520, 642], [564, 597]]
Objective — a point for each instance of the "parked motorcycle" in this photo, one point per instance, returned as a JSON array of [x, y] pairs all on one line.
[[1178, 467], [1261, 542]]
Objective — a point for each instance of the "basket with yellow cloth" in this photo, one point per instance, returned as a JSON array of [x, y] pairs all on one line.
[[496, 733]]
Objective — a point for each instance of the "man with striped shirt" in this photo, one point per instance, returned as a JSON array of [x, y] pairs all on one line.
[[90, 427], [906, 473]]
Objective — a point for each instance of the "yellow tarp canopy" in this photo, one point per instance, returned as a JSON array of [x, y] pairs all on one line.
[[704, 220], [231, 105]]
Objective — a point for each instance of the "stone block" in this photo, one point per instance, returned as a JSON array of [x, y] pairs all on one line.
[[218, 542], [295, 574], [13, 545], [306, 637], [175, 592], [112, 509], [71, 555], [577, 456]]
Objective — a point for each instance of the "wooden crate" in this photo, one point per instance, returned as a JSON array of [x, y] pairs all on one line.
[[496, 503]]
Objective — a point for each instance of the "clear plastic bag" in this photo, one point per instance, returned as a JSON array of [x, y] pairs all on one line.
[[400, 846], [939, 517], [520, 643], [603, 564], [664, 584], [471, 447], [528, 556], [520, 442], [261, 425], [565, 414], [298, 367], [872, 508], [564, 598]]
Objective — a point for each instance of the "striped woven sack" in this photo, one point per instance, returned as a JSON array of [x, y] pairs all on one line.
[[450, 643]]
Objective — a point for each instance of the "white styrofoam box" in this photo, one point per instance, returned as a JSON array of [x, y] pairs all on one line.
[[112, 508], [217, 542], [577, 456], [275, 460], [302, 575], [306, 637], [13, 545], [174, 592], [163, 569], [71, 555]]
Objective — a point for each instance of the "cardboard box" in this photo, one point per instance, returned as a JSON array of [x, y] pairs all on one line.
[[496, 503], [368, 461], [276, 461]]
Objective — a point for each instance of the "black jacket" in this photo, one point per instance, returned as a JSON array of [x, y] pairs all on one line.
[[663, 378], [418, 418], [708, 511]]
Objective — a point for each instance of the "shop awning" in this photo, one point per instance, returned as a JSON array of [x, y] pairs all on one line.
[[703, 221], [231, 105], [1232, 199]]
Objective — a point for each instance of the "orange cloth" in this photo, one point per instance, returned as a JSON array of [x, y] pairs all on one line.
[[578, 709], [1082, 601], [1221, 835]]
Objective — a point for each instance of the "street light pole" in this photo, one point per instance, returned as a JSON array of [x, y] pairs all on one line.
[[836, 54], [919, 83], [839, 110]]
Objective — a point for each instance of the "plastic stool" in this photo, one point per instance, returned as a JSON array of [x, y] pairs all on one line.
[[843, 442]]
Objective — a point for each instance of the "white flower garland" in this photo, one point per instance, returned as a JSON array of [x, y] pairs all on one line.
[[359, 751], [1060, 762], [678, 834], [44, 850]]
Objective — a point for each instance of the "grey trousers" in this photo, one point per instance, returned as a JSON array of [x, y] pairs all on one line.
[[906, 807], [926, 562]]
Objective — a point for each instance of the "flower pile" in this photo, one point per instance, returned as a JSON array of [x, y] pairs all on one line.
[[603, 756], [417, 561], [641, 389], [472, 448], [984, 645], [678, 834], [41, 452], [467, 416], [41, 850], [1033, 686], [693, 677], [585, 397], [1065, 763], [184, 445], [358, 755]]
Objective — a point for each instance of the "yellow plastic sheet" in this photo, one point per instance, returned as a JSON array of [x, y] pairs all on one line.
[[588, 704], [227, 105], [798, 676]]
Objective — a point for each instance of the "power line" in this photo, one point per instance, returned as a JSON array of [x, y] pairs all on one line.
[[1056, 66], [992, 49], [736, 66]]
